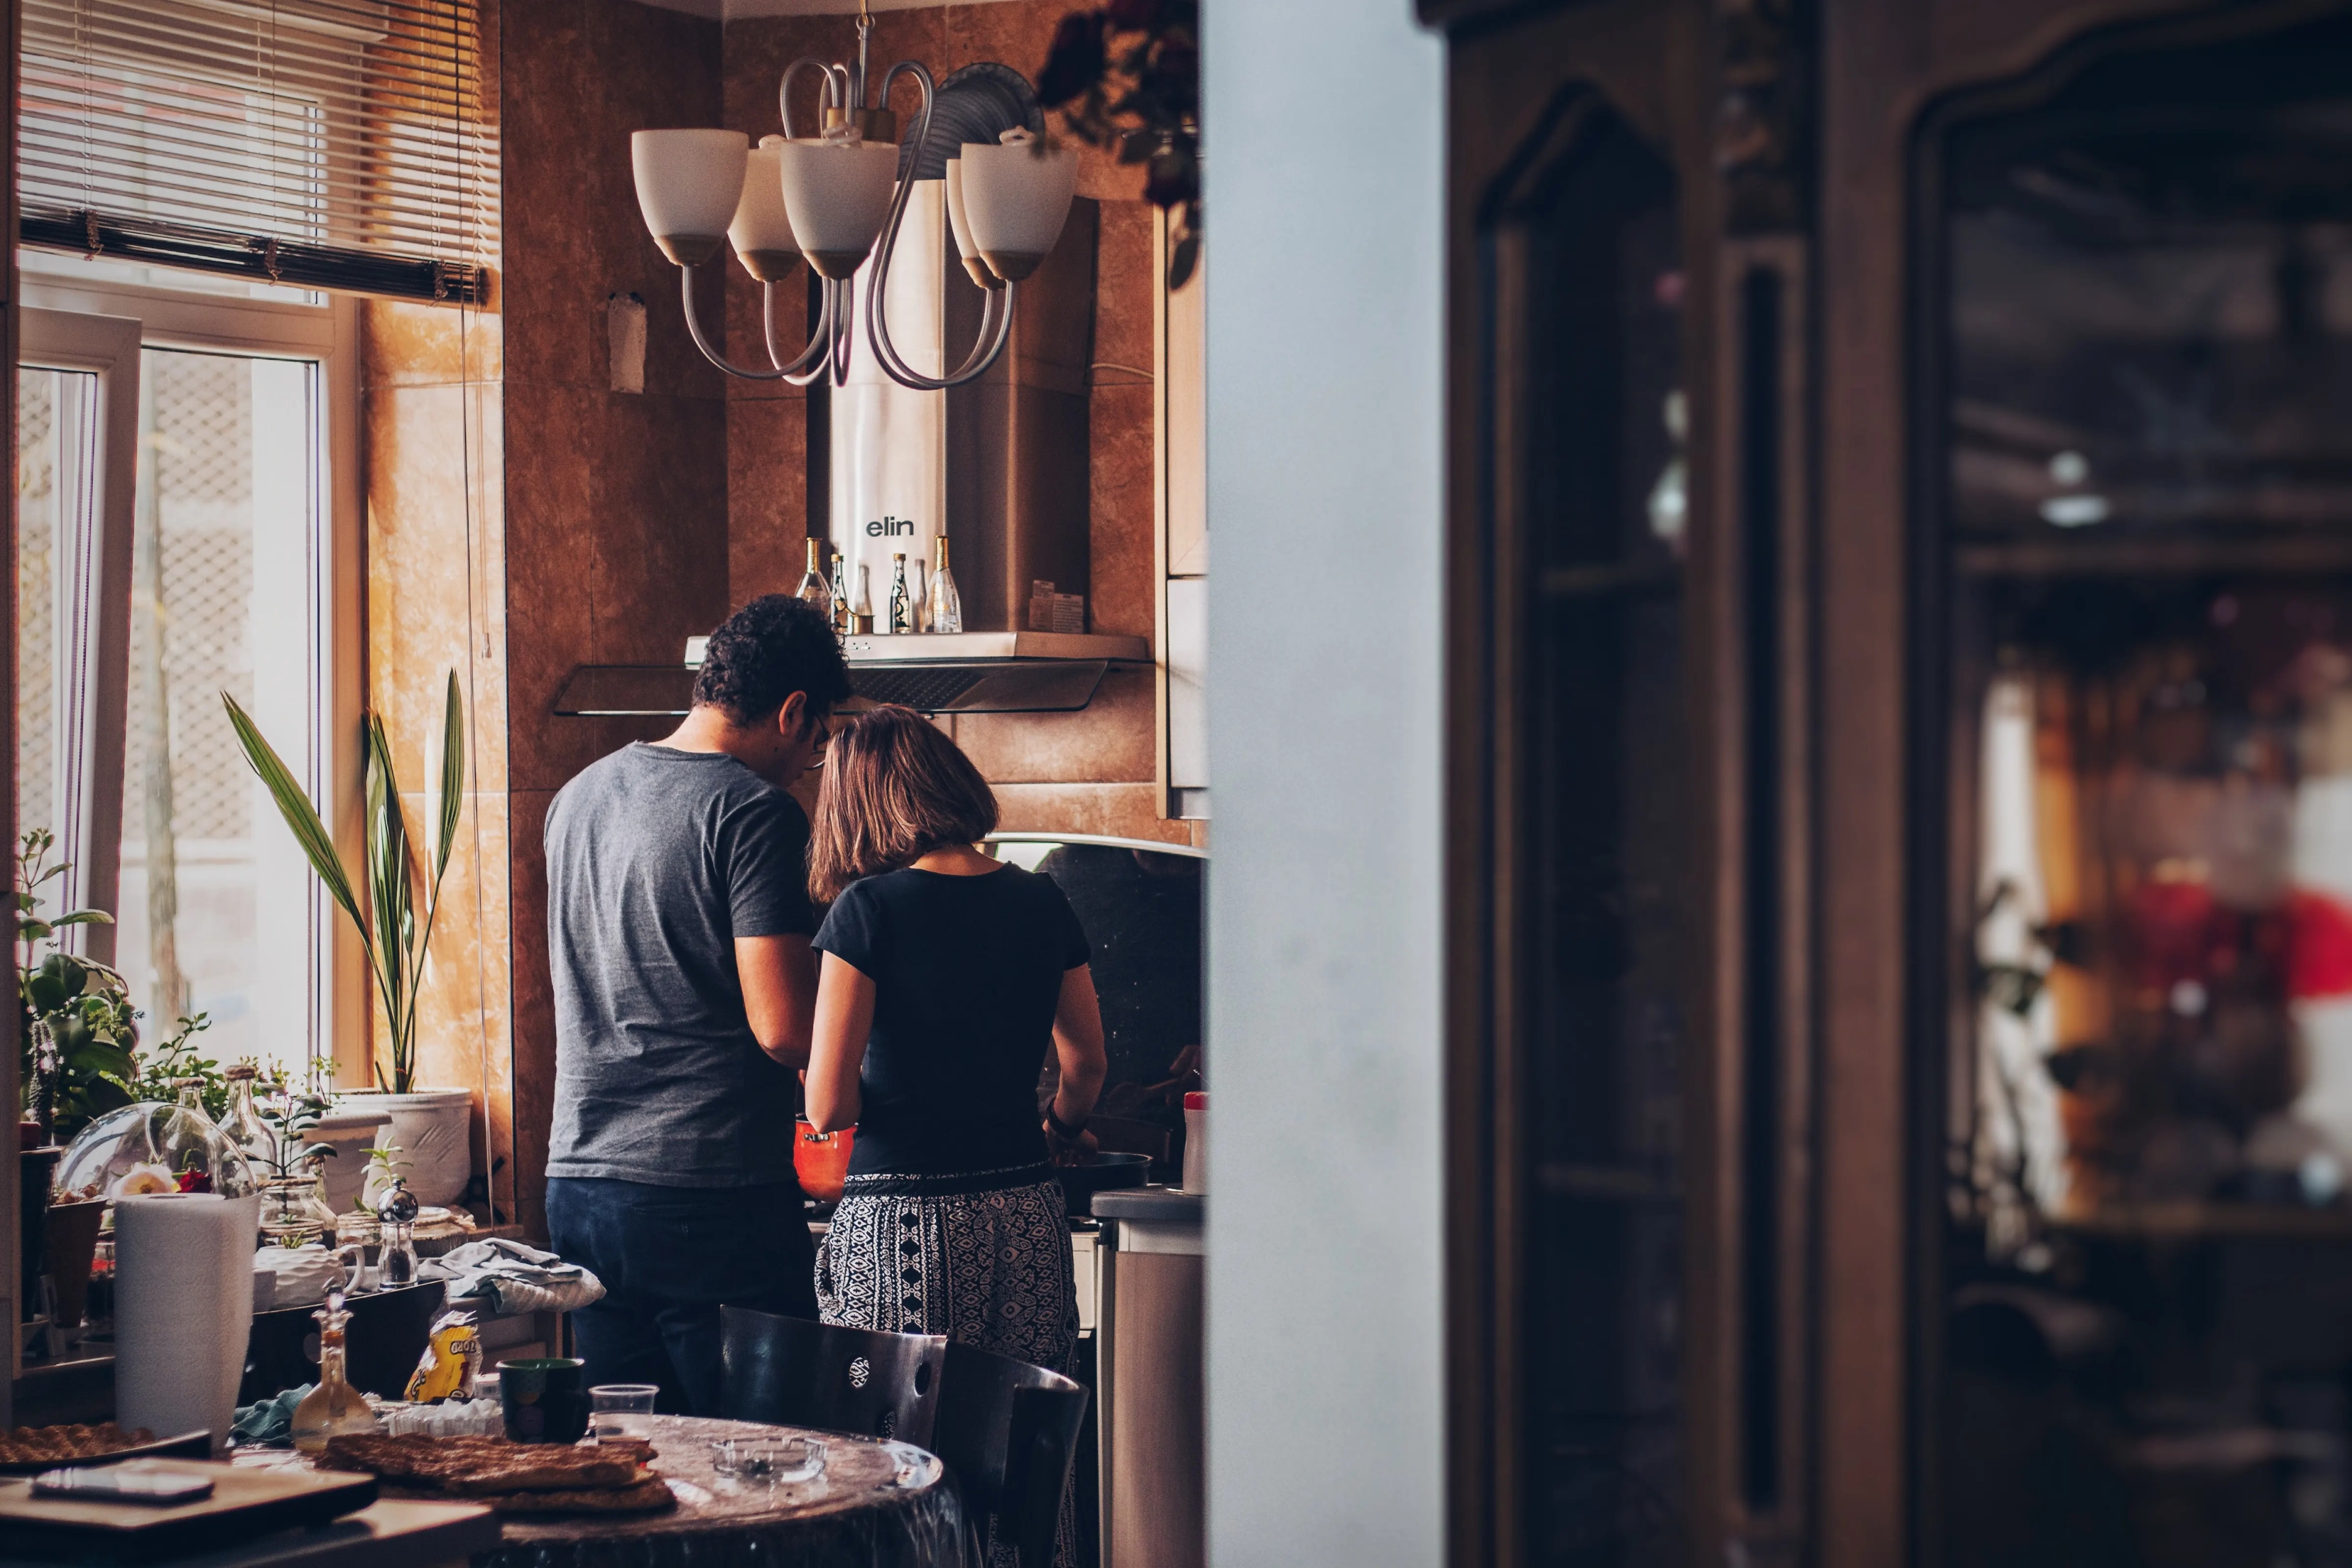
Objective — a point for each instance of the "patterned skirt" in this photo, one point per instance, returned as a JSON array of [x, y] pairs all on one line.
[[984, 1263], [983, 1259]]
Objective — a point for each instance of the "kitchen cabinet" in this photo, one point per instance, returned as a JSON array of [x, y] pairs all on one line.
[[1898, 1112]]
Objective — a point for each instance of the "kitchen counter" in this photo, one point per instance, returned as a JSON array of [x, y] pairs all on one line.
[[1149, 1305], [1154, 1206]]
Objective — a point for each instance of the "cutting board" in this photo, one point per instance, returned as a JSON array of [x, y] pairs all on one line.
[[244, 1504]]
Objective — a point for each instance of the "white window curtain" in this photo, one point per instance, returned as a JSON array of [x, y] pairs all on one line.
[[318, 143]]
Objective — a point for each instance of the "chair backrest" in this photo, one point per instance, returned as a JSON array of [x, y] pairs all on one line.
[[1008, 1431], [795, 1372]]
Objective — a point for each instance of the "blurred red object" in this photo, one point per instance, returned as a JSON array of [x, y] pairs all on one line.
[[2319, 956], [821, 1160]]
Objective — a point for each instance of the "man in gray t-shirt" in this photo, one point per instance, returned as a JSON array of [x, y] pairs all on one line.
[[678, 926]]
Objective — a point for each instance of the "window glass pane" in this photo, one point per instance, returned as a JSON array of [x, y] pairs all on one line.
[[217, 912], [57, 489]]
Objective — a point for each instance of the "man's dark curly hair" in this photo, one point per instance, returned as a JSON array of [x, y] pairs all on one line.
[[760, 655]]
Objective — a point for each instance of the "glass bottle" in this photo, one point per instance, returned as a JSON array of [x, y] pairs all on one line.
[[243, 1125], [861, 613], [334, 1408], [813, 588], [841, 624], [943, 606], [902, 608]]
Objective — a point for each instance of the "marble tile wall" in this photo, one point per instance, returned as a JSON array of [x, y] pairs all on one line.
[[604, 527], [616, 527]]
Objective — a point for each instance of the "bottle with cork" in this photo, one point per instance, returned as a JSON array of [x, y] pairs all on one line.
[[814, 590], [943, 606]]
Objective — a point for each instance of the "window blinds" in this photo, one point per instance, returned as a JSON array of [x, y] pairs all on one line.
[[320, 144]]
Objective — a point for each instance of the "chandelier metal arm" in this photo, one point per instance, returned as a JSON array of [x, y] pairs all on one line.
[[877, 326], [836, 89], [778, 370], [812, 364]]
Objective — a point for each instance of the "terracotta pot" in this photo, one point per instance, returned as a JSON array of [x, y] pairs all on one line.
[[72, 1242], [821, 1160]]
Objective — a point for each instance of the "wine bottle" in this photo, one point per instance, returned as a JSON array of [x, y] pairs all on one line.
[[814, 589], [902, 608], [841, 595], [943, 606], [861, 610]]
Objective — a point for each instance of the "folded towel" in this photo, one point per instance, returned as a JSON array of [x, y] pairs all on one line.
[[508, 1279], [292, 1277], [267, 1423]]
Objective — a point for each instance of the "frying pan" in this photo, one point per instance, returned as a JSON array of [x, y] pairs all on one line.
[[1081, 1183]]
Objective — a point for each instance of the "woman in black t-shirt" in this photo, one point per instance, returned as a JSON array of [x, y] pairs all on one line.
[[946, 974]]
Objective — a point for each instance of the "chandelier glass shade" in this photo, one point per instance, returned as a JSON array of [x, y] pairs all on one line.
[[839, 198], [761, 230]]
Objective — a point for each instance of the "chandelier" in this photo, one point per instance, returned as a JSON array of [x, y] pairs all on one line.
[[838, 197]]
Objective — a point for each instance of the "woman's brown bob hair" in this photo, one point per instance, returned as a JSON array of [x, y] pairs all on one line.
[[894, 789]]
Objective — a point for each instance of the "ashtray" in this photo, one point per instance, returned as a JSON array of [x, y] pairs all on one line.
[[778, 1461]]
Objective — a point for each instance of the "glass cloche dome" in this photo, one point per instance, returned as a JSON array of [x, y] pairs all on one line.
[[151, 1147]]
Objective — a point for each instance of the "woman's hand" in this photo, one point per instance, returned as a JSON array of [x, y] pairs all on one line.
[[1069, 1150]]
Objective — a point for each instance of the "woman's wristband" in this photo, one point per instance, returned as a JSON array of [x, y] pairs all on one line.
[[1062, 1128]]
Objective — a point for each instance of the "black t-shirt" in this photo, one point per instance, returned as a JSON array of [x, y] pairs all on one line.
[[966, 975]]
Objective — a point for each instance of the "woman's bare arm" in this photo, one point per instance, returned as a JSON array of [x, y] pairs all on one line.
[[1078, 1048], [845, 1014]]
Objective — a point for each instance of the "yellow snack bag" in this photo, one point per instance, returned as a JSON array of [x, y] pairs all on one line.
[[451, 1355]]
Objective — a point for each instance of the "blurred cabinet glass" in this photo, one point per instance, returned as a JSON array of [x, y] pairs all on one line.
[[2133, 700], [1594, 925]]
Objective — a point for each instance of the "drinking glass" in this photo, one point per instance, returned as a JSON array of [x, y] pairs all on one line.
[[621, 1410]]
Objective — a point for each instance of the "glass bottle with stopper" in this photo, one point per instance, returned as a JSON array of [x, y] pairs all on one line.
[[334, 1408], [902, 608], [814, 590], [243, 1124], [943, 606]]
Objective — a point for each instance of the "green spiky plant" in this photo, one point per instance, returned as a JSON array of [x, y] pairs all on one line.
[[394, 938]]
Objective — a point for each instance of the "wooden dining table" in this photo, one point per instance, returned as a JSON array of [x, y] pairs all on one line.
[[877, 1503]]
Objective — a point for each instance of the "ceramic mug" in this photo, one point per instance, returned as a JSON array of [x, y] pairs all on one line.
[[544, 1401]]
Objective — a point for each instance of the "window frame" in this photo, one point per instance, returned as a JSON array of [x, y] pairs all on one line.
[[107, 347], [326, 334]]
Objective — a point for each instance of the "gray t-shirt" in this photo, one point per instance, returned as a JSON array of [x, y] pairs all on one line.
[[656, 861]]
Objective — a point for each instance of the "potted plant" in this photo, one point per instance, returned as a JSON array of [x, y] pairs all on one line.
[[81, 1059], [431, 1124]]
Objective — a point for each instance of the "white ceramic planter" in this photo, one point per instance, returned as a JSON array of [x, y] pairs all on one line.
[[433, 1129], [351, 1131]]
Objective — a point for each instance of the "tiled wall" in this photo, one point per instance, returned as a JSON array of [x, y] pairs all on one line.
[[1088, 772], [627, 521]]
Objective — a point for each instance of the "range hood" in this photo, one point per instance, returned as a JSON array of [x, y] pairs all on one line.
[[959, 672], [1000, 466]]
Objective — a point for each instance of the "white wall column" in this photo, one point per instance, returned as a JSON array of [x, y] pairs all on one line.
[[1326, 422]]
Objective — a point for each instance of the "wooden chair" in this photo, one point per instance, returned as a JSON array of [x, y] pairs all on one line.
[[793, 1373], [1007, 1432]]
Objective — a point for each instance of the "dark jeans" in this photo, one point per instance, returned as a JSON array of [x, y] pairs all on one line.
[[669, 1256]]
